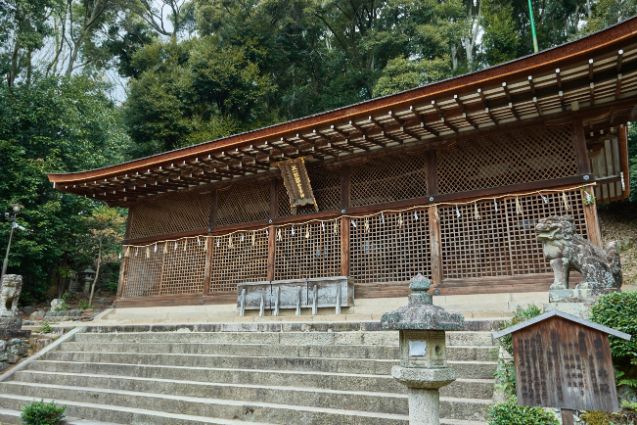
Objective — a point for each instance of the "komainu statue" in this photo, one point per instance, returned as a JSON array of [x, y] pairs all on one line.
[[567, 250], [9, 294]]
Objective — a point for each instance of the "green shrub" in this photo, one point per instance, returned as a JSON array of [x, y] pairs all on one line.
[[618, 310], [45, 328], [509, 413], [625, 417], [41, 413], [83, 305], [520, 315]]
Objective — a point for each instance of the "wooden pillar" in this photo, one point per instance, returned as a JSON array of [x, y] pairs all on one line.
[[345, 223], [122, 277], [207, 275], [623, 158], [436, 249], [592, 221], [581, 151], [271, 251]]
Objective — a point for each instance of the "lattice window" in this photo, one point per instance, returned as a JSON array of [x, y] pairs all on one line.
[[174, 213], [243, 203], [388, 180], [534, 154], [308, 250], [184, 267], [236, 258], [143, 275], [390, 247], [501, 242], [326, 186]]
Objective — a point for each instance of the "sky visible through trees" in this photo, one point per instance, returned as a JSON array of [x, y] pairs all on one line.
[[87, 83]]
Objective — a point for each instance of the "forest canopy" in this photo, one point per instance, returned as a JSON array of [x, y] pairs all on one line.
[[87, 83]]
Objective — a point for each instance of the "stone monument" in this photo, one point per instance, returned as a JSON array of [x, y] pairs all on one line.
[[566, 250], [9, 295], [423, 365]]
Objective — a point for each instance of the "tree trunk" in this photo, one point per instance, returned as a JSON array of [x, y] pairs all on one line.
[[97, 274]]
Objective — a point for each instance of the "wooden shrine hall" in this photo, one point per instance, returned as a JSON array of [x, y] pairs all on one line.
[[447, 180]]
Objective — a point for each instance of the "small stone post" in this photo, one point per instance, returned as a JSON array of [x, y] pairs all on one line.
[[423, 365]]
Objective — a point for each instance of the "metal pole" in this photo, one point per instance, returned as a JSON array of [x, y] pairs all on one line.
[[533, 33], [5, 263]]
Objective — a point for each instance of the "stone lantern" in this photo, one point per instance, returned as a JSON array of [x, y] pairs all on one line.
[[89, 275], [423, 365]]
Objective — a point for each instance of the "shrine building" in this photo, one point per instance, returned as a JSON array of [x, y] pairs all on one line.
[[447, 180]]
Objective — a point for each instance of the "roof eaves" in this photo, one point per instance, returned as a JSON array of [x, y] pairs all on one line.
[[563, 315]]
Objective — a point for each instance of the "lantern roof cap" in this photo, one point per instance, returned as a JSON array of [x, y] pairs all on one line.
[[557, 313], [420, 313]]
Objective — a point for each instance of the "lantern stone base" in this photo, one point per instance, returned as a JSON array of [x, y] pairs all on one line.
[[423, 393], [423, 378]]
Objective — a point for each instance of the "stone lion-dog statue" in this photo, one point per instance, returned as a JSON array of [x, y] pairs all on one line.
[[567, 250], [9, 294]]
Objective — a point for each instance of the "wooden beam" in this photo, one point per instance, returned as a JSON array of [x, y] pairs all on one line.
[[207, 274], [271, 252], [581, 151], [592, 223], [345, 251], [435, 246]]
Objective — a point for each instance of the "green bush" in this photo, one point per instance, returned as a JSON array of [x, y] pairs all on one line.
[[83, 304], [510, 412], [618, 310], [41, 413], [625, 417], [520, 315], [45, 328]]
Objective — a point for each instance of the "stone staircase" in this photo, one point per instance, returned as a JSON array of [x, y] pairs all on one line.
[[240, 374]]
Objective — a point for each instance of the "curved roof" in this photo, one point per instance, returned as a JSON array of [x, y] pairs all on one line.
[[567, 78]]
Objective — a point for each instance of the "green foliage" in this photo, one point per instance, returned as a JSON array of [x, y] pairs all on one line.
[[618, 310], [520, 315], [83, 304], [52, 125], [41, 413], [45, 328], [505, 377], [627, 416], [510, 412]]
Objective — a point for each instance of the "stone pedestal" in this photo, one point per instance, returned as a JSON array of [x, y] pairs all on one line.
[[575, 301]]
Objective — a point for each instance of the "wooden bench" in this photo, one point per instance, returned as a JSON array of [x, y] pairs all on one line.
[[298, 294]]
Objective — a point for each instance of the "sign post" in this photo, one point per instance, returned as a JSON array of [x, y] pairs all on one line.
[[563, 361]]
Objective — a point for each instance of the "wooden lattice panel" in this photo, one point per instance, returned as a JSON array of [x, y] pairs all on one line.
[[326, 186], [501, 241], [308, 250], [170, 214], [507, 158], [142, 275], [243, 203], [238, 257], [387, 180], [184, 267], [390, 247]]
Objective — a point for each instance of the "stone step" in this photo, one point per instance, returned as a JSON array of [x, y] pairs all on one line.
[[389, 402], [118, 415], [312, 379], [464, 369], [278, 413], [328, 351], [8, 416], [370, 338]]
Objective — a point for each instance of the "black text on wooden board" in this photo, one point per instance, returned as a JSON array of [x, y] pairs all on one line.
[[297, 183], [562, 364]]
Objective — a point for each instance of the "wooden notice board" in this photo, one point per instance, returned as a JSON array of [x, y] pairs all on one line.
[[561, 363]]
